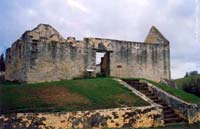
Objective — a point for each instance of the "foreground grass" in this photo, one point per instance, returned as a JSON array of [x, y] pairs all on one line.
[[68, 95], [176, 92]]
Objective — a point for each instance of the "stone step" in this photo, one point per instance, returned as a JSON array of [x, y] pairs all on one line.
[[149, 94], [163, 104], [158, 101], [144, 91], [173, 120], [171, 115], [140, 86], [168, 111], [166, 108], [175, 123], [153, 98]]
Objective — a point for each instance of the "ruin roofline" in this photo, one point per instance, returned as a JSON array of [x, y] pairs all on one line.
[[41, 27]]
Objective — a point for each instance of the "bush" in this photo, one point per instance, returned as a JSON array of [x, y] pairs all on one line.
[[192, 86]]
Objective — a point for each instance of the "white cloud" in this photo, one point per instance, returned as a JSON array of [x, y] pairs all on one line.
[[78, 5]]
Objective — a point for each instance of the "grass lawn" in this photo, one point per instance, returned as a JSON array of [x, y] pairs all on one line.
[[176, 92], [67, 95]]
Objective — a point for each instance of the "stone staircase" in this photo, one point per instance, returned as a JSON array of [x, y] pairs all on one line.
[[170, 117]]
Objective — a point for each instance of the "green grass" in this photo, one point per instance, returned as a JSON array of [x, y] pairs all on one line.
[[67, 95], [176, 92], [180, 82]]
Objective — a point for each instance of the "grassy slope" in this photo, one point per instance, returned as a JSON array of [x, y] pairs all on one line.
[[185, 80], [69, 95], [177, 92]]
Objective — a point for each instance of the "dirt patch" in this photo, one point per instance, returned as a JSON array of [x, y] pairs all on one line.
[[60, 96], [124, 100]]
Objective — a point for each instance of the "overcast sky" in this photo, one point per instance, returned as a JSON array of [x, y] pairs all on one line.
[[118, 19]]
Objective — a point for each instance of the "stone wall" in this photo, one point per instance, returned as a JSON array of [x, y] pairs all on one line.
[[42, 54], [149, 116], [154, 36], [2, 77], [134, 59], [15, 61], [188, 111]]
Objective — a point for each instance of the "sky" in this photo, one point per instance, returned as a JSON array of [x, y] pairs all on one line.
[[177, 20]]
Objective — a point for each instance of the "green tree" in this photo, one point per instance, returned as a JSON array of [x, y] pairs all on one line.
[[193, 73], [2, 63], [187, 74]]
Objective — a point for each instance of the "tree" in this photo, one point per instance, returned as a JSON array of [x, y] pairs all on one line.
[[187, 74], [2, 63], [193, 73]]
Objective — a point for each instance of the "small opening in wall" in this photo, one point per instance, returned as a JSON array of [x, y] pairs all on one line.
[[119, 66]]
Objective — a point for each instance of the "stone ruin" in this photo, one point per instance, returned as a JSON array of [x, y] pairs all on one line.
[[42, 54]]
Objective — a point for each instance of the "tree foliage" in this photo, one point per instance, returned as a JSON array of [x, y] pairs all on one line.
[[193, 86], [192, 73], [2, 63]]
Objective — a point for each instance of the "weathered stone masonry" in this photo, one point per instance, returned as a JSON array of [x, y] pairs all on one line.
[[137, 117], [42, 54]]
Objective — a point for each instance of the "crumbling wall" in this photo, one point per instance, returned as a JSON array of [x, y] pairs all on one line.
[[134, 59], [53, 57], [15, 62], [140, 60], [42, 54], [45, 56]]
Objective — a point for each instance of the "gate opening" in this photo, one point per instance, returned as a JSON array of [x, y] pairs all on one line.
[[103, 63]]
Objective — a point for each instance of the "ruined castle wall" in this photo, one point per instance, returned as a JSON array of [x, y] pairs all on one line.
[[15, 62], [55, 61], [133, 59], [140, 60], [42, 54]]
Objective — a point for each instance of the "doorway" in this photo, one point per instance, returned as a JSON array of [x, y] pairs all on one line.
[[103, 63]]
